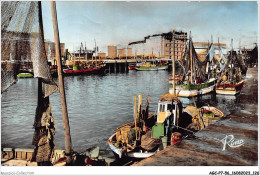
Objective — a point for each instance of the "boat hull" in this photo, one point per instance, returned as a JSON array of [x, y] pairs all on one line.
[[190, 92], [25, 75], [229, 89], [83, 71], [119, 151], [151, 68], [131, 67]]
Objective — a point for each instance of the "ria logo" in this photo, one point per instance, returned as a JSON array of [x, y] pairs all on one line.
[[231, 142]]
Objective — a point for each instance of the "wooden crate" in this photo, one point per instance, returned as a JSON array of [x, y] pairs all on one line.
[[7, 153], [24, 154]]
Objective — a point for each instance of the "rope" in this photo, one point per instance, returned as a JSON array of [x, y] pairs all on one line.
[[185, 129]]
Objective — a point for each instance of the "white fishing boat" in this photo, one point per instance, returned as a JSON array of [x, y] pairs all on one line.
[[191, 90], [196, 79]]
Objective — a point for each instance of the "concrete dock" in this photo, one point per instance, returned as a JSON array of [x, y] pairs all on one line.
[[231, 141]]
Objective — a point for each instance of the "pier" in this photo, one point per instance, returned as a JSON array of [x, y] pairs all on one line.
[[231, 141], [121, 65]]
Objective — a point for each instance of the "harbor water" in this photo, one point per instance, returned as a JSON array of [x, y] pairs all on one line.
[[96, 106]]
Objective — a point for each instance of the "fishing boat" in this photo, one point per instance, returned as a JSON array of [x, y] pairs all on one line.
[[148, 66], [147, 134], [191, 90], [79, 70], [196, 79], [120, 143], [229, 88], [25, 74], [230, 82], [202, 117], [131, 66]]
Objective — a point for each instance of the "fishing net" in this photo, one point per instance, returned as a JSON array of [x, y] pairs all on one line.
[[22, 41], [197, 63], [22, 44]]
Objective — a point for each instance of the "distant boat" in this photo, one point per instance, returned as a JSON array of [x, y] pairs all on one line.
[[77, 70], [131, 66], [147, 66], [81, 71], [25, 74]]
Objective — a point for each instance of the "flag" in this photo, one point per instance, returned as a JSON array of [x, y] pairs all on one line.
[[211, 52]]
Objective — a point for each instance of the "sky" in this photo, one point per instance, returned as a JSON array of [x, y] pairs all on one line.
[[120, 22]]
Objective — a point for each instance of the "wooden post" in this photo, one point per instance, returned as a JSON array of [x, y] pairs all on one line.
[[140, 102], [126, 66], [135, 115], [190, 60], [139, 115], [115, 65], [61, 86], [173, 63]]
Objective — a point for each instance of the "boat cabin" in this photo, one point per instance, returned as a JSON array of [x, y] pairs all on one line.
[[166, 109], [168, 113]]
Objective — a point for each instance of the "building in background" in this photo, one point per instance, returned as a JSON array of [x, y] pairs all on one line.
[[121, 53], [178, 44], [112, 51], [51, 53], [81, 55], [129, 51], [101, 55]]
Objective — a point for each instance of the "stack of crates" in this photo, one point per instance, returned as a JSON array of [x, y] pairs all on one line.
[[158, 130]]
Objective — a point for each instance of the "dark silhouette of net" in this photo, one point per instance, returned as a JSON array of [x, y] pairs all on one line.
[[23, 49]]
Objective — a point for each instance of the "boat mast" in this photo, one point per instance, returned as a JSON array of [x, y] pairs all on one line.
[[190, 60], [231, 74], [61, 86], [95, 52], [85, 57], [173, 63]]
